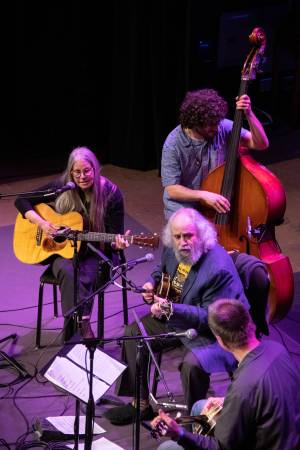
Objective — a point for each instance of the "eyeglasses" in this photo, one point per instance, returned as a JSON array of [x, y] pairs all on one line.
[[85, 172]]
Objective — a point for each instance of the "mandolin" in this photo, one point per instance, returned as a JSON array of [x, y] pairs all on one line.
[[202, 424], [31, 246]]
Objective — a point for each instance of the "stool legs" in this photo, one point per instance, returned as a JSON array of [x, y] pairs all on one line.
[[39, 317], [124, 300], [40, 312], [100, 325], [55, 311]]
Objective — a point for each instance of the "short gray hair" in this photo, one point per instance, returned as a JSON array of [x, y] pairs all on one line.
[[206, 231], [231, 321]]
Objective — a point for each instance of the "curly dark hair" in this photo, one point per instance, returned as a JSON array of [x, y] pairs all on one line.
[[201, 108]]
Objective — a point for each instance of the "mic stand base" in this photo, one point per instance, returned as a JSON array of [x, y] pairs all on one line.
[[171, 405], [10, 360]]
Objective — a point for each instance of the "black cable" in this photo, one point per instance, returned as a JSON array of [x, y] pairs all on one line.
[[56, 329], [280, 333], [24, 308], [3, 443], [16, 380], [23, 397], [292, 319], [20, 411], [120, 312], [9, 392]]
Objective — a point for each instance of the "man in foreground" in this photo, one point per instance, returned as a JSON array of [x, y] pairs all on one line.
[[262, 407]]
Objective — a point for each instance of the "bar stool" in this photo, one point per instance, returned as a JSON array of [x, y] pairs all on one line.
[[48, 277]]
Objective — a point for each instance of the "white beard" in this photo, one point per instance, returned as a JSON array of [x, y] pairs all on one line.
[[191, 258]]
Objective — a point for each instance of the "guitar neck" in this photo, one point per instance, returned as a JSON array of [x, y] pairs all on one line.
[[101, 237]]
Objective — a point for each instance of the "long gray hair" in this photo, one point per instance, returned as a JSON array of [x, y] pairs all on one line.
[[71, 201], [207, 234]]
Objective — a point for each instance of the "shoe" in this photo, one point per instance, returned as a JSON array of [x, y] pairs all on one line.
[[124, 415], [86, 330]]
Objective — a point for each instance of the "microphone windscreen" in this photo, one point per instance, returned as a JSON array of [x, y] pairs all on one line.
[[149, 257], [191, 333], [70, 185]]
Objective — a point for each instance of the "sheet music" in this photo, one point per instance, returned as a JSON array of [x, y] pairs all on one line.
[[65, 424], [113, 368], [69, 373]]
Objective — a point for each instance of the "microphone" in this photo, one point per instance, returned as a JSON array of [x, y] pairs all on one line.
[[66, 187], [133, 262], [189, 334]]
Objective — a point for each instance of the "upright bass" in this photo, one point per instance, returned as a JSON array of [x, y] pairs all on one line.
[[257, 199]]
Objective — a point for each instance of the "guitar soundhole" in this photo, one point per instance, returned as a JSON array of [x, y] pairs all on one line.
[[60, 238], [49, 245]]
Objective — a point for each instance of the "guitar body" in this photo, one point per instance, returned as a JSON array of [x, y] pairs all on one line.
[[258, 204], [164, 285], [32, 247]]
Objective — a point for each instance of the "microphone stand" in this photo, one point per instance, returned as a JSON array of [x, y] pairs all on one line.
[[91, 345], [160, 374], [30, 194]]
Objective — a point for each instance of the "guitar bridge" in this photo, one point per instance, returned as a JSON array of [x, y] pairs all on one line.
[[38, 237]]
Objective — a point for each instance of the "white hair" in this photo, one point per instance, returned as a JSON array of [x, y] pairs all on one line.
[[206, 231]]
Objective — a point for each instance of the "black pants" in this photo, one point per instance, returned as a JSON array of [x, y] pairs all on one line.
[[88, 278], [195, 380]]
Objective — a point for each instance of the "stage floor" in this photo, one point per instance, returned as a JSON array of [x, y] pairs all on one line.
[[33, 398]]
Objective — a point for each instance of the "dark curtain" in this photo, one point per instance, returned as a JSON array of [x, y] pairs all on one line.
[[111, 76]]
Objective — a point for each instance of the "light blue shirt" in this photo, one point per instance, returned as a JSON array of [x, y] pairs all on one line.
[[187, 162]]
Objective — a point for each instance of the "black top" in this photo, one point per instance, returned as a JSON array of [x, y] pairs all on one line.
[[114, 210]]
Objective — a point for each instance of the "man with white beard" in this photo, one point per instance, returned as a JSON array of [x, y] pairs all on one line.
[[200, 272]]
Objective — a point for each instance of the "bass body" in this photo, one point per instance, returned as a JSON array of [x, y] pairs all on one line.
[[257, 201], [258, 205]]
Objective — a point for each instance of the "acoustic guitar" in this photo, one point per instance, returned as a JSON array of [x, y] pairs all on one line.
[[31, 246]]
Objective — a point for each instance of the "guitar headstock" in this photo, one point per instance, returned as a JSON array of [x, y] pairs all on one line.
[[143, 240], [255, 58]]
